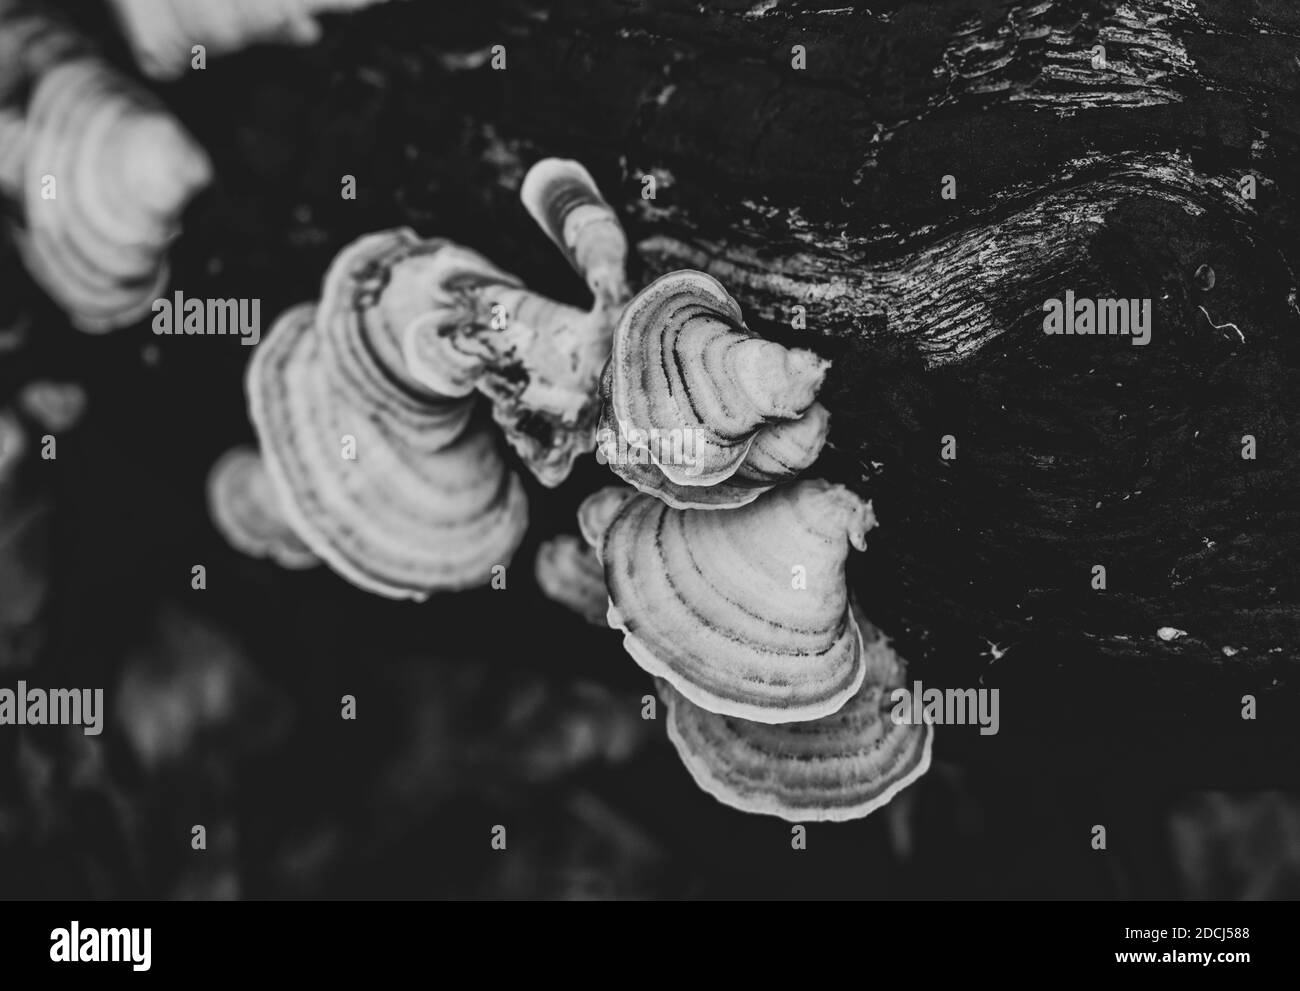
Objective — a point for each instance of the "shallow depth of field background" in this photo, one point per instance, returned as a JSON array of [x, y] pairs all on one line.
[[475, 709]]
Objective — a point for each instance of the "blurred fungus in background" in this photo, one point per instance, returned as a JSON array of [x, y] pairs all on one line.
[[24, 545]]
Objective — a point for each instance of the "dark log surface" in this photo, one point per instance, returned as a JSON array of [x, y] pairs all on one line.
[[818, 187]]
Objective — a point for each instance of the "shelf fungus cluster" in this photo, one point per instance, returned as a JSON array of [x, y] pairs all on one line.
[[163, 33], [726, 571], [99, 174], [367, 404]]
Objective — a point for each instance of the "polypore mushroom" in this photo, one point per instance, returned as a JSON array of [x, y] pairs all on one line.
[[105, 174], [691, 385], [569, 572], [472, 326], [401, 491], [598, 511], [839, 767], [562, 197], [162, 33], [780, 451], [745, 612], [246, 510], [407, 331]]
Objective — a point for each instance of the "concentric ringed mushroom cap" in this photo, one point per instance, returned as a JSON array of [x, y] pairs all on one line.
[[745, 612], [684, 361], [836, 768], [425, 502], [124, 171], [246, 510], [780, 452], [569, 572]]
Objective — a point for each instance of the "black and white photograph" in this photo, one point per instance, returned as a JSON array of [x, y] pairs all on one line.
[[650, 451]]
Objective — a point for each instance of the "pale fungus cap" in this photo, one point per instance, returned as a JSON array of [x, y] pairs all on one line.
[[836, 768], [246, 511], [780, 452], [162, 32], [745, 612], [401, 492], [569, 572], [406, 333], [598, 511], [683, 360], [123, 171], [537, 360]]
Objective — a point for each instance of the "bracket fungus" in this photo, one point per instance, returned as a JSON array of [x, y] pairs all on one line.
[[598, 510], [246, 510], [162, 33], [839, 767], [685, 367], [101, 173], [407, 333], [401, 492], [745, 612], [539, 361], [569, 572], [780, 452]]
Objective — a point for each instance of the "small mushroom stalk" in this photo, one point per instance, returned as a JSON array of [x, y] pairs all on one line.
[[539, 361], [162, 33], [100, 173]]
